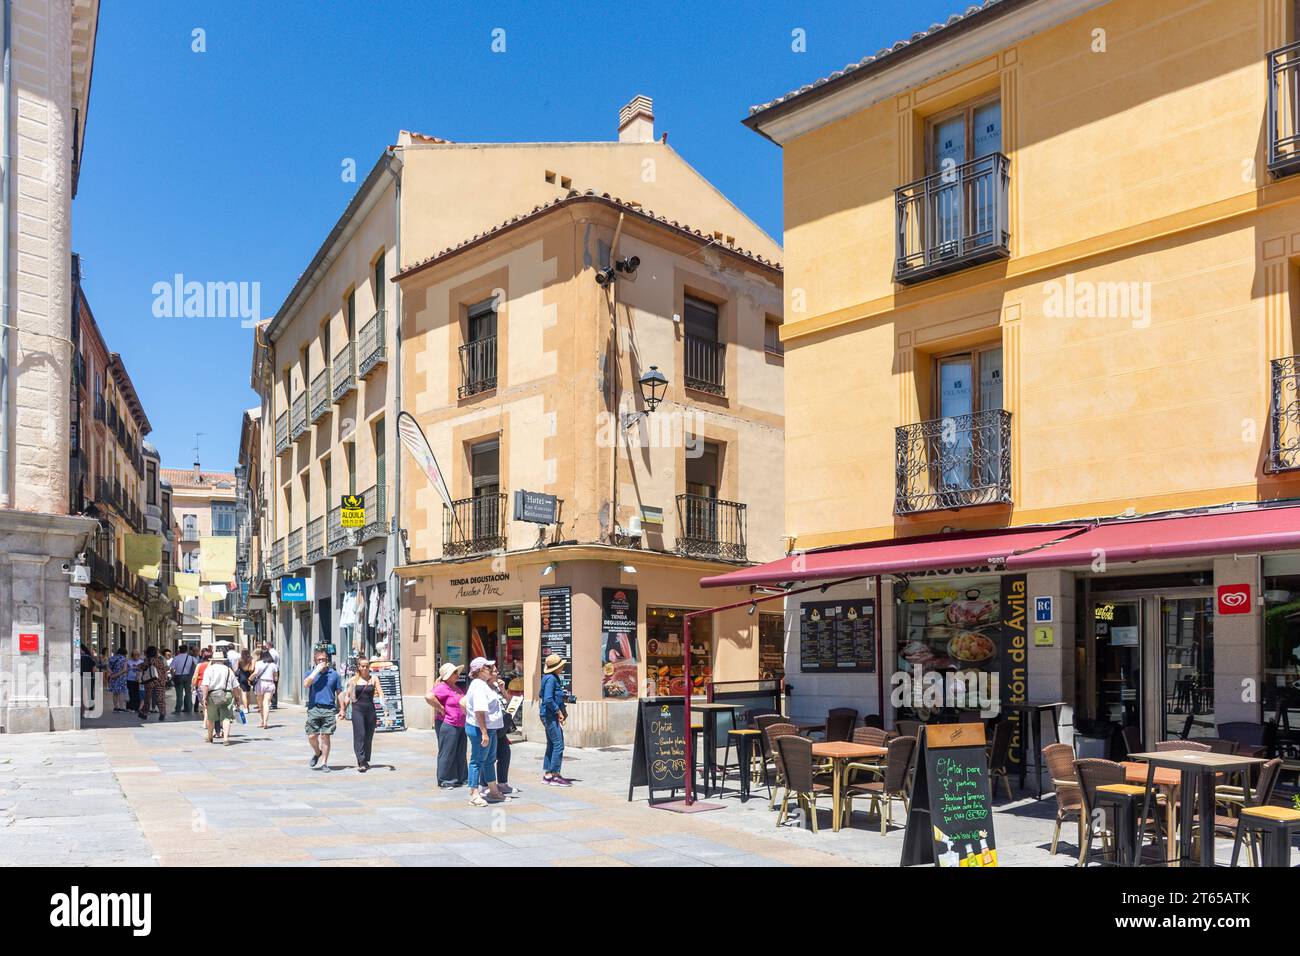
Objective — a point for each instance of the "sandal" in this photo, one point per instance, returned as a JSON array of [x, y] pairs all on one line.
[[478, 801]]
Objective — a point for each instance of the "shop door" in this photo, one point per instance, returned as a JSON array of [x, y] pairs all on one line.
[[1187, 651], [1118, 661]]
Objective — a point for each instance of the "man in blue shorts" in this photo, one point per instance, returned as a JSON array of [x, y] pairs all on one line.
[[323, 687]]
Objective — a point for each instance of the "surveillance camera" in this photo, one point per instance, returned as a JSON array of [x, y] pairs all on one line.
[[628, 266], [604, 277], [66, 567]]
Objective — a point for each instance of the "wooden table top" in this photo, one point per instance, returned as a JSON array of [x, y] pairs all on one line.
[[843, 750], [1137, 773], [1197, 760]]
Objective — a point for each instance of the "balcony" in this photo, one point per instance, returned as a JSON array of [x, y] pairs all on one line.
[[474, 526], [371, 351], [190, 534], [337, 537], [298, 417], [953, 462], [101, 412], [294, 555], [710, 528], [705, 364], [1284, 110], [320, 396], [275, 563], [478, 367], [281, 432], [376, 520], [315, 540], [102, 572], [1284, 415], [342, 369], [952, 220]]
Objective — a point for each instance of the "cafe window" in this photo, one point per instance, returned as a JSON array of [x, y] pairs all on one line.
[[1280, 694], [947, 627], [771, 646], [665, 652]]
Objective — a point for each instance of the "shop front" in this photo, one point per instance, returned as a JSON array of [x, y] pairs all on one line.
[[616, 617]]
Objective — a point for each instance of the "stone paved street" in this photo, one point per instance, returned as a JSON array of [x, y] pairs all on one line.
[[129, 793]]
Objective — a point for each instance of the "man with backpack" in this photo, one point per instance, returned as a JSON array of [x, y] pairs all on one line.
[[219, 685], [183, 665]]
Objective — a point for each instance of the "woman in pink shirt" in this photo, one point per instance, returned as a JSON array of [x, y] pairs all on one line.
[[449, 721]]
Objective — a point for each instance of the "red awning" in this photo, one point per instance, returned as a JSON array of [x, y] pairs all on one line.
[[1183, 536], [910, 555]]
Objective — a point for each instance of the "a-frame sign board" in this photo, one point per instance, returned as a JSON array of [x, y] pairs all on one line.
[[950, 820]]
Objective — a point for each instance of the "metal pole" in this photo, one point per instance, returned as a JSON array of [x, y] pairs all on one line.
[[5, 497], [690, 735]]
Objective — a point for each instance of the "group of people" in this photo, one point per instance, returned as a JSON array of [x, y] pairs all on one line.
[[473, 728], [139, 683], [329, 696], [227, 681]]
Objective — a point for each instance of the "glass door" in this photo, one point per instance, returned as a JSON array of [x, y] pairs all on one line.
[[1187, 634], [947, 153], [969, 445], [1117, 630]]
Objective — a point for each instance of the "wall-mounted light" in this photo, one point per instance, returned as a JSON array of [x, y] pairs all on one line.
[[548, 569], [752, 608], [626, 568], [653, 386]]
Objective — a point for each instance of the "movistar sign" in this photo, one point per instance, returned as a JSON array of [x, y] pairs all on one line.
[[293, 589]]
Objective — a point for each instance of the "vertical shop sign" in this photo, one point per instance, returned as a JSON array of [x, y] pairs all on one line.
[[618, 612], [557, 630], [1015, 656]]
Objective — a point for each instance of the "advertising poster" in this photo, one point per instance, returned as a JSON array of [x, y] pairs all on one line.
[[618, 642]]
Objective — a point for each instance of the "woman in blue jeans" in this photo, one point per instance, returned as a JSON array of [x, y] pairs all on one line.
[[483, 721], [553, 714]]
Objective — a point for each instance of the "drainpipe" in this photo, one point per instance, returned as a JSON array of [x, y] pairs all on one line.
[[5, 498], [395, 554]]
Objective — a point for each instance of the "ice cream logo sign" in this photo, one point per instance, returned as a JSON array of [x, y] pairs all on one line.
[[1234, 598]]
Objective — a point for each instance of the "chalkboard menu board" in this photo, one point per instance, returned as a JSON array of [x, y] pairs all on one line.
[[837, 636], [950, 821], [391, 715], [659, 750], [557, 630]]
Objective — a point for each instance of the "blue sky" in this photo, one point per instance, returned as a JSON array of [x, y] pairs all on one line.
[[225, 165]]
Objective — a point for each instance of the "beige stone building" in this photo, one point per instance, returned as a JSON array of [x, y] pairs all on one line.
[[205, 504], [51, 48], [327, 368]]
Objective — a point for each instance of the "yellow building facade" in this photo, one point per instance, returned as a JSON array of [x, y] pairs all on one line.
[[1041, 271]]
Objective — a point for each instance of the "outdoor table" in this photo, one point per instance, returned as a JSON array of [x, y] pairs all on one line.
[[744, 758], [839, 753], [1191, 765], [709, 716], [1031, 726], [1168, 781]]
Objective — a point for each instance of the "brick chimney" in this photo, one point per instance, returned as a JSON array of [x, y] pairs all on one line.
[[636, 121]]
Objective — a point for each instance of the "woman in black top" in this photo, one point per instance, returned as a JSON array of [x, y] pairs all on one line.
[[362, 692]]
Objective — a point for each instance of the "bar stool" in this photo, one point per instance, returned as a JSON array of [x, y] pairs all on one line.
[[745, 740], [699, 767], [1126, 800], [1275, 824]]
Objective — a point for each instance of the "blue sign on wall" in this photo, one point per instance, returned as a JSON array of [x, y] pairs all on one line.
[[1043, 610], [293, 589]]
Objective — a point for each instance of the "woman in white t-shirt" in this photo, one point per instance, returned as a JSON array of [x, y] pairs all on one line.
[[483, 722], [263, 681]]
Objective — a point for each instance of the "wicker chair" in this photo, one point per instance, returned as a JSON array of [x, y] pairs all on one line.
[[839, 723], [1059, 760], [890, 785], [797, 766], [1269, 775], [1219, 745], [1166, 745], [999, 754], [1132, 740], [907, 728], [1093, 773], [870, 737], [770, 733], [1249, 737], [873, 720]]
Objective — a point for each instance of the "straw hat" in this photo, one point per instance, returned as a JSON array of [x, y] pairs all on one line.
[[553, 663], [447, 669]]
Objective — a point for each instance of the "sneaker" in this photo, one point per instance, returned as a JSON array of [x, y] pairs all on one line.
[[161, 718], [506, 788], [558, 781], [362, 768], [324, 768], [314, 761], [448, 786]]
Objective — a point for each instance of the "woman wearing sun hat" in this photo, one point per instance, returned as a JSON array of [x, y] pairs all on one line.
[[483, 721], [449, 723], [553, 714]]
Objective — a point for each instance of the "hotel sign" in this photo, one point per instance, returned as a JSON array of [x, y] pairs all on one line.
[[535, 507]]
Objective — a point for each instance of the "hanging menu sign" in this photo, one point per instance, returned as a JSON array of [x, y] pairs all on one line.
[[837, 636], [659, 749], [390, 713], [950, 819], [557, 630]]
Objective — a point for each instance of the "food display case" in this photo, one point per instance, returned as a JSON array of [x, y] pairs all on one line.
[[665, 652]]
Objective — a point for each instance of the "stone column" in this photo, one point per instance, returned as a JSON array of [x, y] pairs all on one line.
[[1238, 645]]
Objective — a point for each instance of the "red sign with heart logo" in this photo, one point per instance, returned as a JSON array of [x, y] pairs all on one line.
[[29, 643], [1234, 598]]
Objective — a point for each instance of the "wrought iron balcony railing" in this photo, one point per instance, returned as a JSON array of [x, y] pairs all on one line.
[[371, 350], [275, 564], [315, 540], [190, 534], [1284, 415], [281, 432], [101, 411], [341, 371], [474, 525], [705, 364], [953, 219], [337, 537], [711, 527], [478, 366], [1284, 110], [953, 462], [376, 518], [298, 416], [102, 572], [294, 557], [320, 396]]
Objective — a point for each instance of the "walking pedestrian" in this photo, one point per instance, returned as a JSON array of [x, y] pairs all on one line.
[[133, 679], [449, 723], [498, 685], [89, 664], [323, 688], [264, 677], [244, 674], [553, 714], [183, 665], [117, 679], [205, 660], [154, 681], [275, 658], [482, 723], [362, 692], [219, 685]]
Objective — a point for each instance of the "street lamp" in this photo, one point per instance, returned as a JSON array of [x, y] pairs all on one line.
[[653, 385]]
